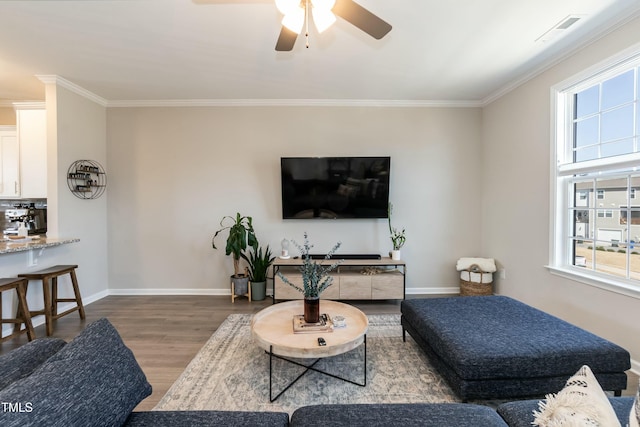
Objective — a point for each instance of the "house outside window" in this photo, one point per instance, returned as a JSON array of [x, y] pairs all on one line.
[[596, 170]]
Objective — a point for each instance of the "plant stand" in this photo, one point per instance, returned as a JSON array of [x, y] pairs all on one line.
[[233, 292]]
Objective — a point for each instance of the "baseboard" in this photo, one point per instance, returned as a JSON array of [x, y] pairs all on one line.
[[180, 291], [449, 290], [226, 292]]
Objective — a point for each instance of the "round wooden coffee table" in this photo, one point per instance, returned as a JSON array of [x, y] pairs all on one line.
[[272, 329]]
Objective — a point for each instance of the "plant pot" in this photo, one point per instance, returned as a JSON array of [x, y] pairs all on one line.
[[395, 255], [258, 291], [312, 310], [240, 284]]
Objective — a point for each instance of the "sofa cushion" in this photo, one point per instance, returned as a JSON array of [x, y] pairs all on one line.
[[520, 413], [22, 361], [207, 418], [92, 381], [580, 402], [400, 414]]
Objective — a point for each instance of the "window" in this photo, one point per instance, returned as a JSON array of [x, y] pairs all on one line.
[[596, 230]]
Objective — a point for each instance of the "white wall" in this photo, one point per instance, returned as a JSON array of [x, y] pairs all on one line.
[[175, 172], [516, 201], [81, 134], [76, 129]]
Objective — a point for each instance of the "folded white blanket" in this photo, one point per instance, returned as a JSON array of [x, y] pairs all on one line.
[[485, 264], [476, 277]]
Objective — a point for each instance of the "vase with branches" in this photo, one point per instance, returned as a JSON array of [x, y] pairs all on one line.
[[315, 278]]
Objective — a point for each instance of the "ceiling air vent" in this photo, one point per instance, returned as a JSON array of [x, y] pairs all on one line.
[[560, 28]]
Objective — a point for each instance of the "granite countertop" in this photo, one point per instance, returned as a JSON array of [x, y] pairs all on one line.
[[8, 246]]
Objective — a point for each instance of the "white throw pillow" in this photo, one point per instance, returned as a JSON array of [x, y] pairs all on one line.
[[634, 416], [580, 403]]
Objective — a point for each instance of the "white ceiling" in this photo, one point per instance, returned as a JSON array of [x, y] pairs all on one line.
[[223, 50]]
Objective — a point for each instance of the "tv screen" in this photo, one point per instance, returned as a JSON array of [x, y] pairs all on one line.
[[335, 187]]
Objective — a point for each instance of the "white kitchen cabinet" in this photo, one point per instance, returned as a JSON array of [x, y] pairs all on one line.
[[9, 162], [32, 137]]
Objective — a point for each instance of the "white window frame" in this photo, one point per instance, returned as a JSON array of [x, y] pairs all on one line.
[[563, 166]]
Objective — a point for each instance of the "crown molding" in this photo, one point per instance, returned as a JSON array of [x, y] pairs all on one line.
[[291, 103], [29, 105], [78, 90]]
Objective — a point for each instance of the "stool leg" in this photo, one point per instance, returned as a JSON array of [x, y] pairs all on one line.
[[76, 291], [25, 316], [46, 290], [54, 296]]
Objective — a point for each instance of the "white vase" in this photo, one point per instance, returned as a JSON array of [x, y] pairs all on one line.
[[395, 255]]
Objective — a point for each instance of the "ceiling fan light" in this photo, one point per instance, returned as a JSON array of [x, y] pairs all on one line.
[[287, 6], [323, 4], [323, 18], [294, 20]]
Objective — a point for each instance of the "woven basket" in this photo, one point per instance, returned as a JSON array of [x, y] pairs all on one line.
[[469, 288]]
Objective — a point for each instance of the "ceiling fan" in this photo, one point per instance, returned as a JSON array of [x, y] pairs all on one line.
[[296, 15]]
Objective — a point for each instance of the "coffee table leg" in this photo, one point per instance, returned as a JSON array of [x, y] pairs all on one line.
[[310, 368], [271, 356], [365, 361]]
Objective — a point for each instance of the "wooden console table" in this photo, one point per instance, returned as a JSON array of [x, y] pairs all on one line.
[[354, 279]]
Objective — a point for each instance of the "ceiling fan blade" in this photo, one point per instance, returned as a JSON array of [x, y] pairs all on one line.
[[286, 40], [361, 18]]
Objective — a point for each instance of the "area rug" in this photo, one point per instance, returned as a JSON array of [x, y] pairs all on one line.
[[232, 373]]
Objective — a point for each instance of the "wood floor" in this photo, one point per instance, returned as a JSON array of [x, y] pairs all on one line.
[[166, 332]]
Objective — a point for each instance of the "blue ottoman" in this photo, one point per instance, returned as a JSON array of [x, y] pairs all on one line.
[[490, 347]]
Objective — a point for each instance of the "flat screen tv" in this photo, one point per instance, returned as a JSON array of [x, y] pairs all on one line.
[[335, 187]]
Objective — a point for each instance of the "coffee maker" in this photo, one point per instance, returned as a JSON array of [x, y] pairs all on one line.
[[34, 219]]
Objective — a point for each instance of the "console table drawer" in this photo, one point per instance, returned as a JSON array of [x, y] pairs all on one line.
[[355, 286], [387, 286]]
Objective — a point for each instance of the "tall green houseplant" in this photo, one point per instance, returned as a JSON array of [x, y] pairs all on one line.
[[241, 236]]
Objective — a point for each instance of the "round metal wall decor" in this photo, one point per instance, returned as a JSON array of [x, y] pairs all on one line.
[[86, 179]]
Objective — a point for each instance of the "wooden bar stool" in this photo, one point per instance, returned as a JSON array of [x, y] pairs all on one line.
[[22, 313], [51, 299]]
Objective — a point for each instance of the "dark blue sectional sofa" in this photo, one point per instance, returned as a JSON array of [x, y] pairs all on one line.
[[94, 380]]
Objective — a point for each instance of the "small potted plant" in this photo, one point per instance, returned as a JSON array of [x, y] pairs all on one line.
[[259, 262], [398, 238], [241, 236], [315, 279]]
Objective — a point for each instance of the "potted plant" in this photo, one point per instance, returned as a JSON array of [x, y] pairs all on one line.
[[259, 262], [315, 279], [241, 236], [398, 238]]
